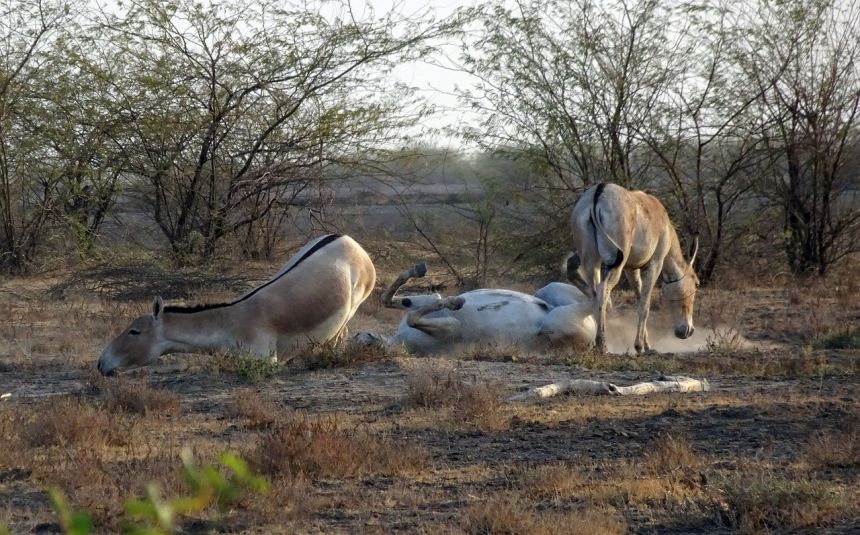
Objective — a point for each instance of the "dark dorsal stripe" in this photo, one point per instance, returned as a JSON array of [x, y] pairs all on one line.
[[619, 257], [179, 309]]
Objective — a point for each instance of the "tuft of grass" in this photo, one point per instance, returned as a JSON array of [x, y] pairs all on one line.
[[259, 412], [672, 455], [300, 446], [834, 449], [847, 338], [773, 503], [67, 421], [506, 514], [332, 355], [252, 369], [134, 397], [724, 340], [556, 482], [476, 403]]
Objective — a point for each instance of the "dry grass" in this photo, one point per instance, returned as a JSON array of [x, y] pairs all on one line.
[[73, 422], [509, 514], [477, 403], [834, 448], [133, 396], [258, 412], [403, 453], [670, 455], [339, 355], [767, 503], [303, 446]]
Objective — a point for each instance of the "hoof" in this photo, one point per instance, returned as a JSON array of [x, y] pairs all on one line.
[[419, 270]]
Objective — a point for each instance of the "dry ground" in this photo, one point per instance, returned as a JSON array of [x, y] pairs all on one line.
[[374, 442]]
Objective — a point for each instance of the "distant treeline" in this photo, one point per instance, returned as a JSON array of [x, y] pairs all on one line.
[[212, 125]]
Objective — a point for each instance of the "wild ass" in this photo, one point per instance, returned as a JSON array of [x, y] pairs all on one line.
[[557, 314], [308, 301], [617, 230]]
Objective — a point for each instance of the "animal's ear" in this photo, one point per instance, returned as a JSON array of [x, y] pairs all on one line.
[[694, 250], [157, 308]]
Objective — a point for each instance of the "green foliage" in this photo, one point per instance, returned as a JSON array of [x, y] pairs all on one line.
[[251, 368], [154, 515], [71, 522]]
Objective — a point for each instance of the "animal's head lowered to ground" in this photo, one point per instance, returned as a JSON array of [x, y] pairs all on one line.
[[141, 343], [681, 296]]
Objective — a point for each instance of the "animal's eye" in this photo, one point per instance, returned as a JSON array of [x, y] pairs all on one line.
[[134, 332]]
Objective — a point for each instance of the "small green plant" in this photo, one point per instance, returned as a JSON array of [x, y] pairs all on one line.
[[253, 369], [71, 522], [154, 515]]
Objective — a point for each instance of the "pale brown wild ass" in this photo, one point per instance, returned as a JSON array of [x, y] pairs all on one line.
[[309, 301], [616, 230]]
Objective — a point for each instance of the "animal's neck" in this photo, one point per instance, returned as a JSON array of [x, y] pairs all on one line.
[[204, 330], [674, 265]]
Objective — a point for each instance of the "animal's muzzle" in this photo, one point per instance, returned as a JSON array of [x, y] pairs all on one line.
[[103, 371], [684, 331]]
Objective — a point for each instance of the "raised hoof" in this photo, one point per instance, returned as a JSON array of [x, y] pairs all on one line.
[[419, 270]]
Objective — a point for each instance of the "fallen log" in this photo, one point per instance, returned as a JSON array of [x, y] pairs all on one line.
[[664, 383]]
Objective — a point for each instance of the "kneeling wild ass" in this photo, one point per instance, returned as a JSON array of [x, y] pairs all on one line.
[[309, 301]]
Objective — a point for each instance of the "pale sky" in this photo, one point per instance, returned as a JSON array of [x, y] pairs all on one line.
[[435, 83]]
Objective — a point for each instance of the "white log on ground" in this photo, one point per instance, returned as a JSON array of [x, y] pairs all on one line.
[[665, 383]]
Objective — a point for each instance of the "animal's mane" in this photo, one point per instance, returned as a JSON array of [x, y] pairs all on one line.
[[191, 309]]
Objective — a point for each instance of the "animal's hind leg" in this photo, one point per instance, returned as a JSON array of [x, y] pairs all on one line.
[[439, 327], [609, 279], [416, 271]]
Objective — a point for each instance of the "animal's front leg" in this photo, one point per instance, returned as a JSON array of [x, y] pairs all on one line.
[[649, 279], [438, 327]]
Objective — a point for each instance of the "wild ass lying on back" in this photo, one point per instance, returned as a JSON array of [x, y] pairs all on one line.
[[617, 230], [308, 301], [558, 314]]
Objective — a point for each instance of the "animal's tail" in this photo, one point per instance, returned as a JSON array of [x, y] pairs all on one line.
[[598, 228]]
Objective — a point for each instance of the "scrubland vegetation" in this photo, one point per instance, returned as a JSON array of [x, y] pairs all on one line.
[[185, 149]]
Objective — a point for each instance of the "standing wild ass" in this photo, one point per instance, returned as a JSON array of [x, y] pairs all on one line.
[[308, 301], [617, 230], [557, 314]]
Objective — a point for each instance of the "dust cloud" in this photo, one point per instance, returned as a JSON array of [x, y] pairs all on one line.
[[621, 333]]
